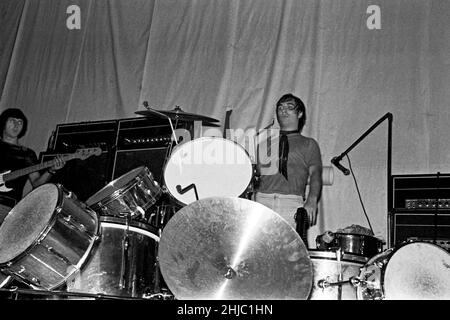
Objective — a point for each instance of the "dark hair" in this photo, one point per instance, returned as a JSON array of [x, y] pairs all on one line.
[[13, 113], [300, 105]]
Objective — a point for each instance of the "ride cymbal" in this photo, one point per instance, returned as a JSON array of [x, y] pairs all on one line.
[[176, 114], [227, 248]]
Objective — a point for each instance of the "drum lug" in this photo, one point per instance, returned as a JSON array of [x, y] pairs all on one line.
[[22, 273]]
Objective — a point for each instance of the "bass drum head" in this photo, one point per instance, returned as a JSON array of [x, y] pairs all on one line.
[[26, 221], [418, 271], [216, 166]]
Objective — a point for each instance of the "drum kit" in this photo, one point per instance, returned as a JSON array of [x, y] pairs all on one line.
[[209, 242]]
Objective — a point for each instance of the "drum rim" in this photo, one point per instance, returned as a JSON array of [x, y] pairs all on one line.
[[133, 224], [345, 256], [166, 163], [358, 235], [111, 184]]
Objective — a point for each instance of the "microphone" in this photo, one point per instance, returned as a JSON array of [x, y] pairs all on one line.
[[335, 161]]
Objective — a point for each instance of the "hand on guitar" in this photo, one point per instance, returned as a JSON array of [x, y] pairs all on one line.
[[59, 164]]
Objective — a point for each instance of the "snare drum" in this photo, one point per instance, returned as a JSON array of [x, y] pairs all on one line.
[[363, 245], [47, 237], [123, 263], [415, 270], [207, 167], [130, 194], [327, 270]]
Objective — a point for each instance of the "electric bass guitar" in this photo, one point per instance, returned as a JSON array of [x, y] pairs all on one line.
[[79, 154]]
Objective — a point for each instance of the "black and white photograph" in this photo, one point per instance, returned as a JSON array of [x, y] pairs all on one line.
[[219, 156]]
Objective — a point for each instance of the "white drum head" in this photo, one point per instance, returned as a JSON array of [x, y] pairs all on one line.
[[26, 221], [418, 271], [217, 167]]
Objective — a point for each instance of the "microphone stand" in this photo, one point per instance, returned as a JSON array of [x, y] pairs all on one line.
[[389, 160]]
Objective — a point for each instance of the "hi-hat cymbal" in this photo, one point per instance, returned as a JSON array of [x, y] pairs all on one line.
[[176, 114], [227, 248]]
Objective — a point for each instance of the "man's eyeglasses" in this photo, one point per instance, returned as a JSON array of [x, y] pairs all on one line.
[[289, 107]]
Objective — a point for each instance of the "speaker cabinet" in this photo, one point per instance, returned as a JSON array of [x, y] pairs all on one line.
[[420, 208], [82, 177], [427, 225], [144, 142], [152, 158], [125, 143]]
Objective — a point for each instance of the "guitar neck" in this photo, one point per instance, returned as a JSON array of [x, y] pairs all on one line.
[[25, 171]]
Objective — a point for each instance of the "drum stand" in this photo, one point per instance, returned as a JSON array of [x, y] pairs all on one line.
[[125, 244], [15, 291]]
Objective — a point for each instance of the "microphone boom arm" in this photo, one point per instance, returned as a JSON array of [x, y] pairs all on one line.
[[337, 159]]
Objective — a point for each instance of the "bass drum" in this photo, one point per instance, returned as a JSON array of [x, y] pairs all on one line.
[[207, 167], [47, 237], [412, 271], [123, 263], [330, 268]]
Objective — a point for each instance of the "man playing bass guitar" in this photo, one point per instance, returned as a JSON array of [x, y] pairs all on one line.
[[13, 156]]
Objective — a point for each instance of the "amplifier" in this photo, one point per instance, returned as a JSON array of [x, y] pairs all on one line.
[[426, 225], [73, 136], [126, 144], [421, 191], [145, 142]]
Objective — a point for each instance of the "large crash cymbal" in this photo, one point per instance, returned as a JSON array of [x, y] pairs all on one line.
[[176, 114], [227, 248]]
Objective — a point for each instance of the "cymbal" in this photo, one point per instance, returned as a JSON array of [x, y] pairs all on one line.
[[176, 114], [227, 248]]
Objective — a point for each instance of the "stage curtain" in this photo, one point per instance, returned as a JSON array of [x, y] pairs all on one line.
[[209, 56]]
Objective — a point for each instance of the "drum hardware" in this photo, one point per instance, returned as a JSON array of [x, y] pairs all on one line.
[[60, 293], [233, 248], [159, 296], [124, 258], [189, 187], [329, 271]]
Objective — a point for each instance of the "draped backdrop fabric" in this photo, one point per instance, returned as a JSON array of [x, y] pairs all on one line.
[[209, 56]]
